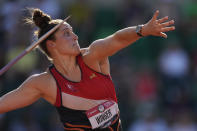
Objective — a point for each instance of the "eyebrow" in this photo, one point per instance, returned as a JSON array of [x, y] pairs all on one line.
[[66, 28]]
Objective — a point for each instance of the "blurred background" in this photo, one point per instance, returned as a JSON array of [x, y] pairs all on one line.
[[155, 78]]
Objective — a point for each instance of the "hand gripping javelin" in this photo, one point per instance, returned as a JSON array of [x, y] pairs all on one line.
[[31, 47]]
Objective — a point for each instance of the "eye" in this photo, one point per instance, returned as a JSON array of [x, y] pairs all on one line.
[[67, 33]]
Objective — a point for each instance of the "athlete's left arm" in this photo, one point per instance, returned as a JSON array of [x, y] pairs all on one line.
[[103, 48]]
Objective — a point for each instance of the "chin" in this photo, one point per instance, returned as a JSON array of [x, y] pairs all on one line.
[[78, 49], [77, 52]]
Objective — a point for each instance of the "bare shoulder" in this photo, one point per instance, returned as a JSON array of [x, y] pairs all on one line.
[[84, 51], [88, 56], [38, 78], [89, 51], [99, 65], [93, 55], [41, 80]]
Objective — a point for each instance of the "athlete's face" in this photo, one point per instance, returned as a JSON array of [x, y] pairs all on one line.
[[66, 41]]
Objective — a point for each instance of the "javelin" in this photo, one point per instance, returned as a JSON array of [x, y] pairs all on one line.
[[31, 47]]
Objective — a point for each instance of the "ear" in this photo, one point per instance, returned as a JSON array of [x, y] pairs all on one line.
[[50, 43]]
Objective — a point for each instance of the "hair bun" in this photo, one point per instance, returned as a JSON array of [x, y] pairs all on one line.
[[40, 18]]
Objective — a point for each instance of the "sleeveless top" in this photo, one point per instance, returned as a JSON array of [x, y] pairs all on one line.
[[93, 85]]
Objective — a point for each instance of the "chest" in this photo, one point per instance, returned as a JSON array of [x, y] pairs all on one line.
[[92, 85]]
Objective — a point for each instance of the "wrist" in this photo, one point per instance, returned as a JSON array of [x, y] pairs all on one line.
[[143, 30], [138, 30]]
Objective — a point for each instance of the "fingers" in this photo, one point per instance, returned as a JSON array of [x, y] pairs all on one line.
[[166, 29], [155, 15], [163, 35], [167, 23], [160, 26], [162, 19]]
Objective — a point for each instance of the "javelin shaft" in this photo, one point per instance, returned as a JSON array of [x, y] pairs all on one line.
[[31, 47], [11, 63]]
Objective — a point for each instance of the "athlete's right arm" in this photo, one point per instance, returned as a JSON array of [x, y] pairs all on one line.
[[23, 96]]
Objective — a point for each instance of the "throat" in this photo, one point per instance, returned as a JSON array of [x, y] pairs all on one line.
[[74, 75]]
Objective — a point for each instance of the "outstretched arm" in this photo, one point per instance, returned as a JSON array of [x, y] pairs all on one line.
[[23, 96], [102, 48]]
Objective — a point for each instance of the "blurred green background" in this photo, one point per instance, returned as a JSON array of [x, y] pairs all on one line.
[[155, 78]]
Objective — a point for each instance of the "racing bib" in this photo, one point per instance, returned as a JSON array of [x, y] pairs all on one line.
[[102, 115]]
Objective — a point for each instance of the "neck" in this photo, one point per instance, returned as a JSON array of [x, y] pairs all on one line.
[[65, 64]]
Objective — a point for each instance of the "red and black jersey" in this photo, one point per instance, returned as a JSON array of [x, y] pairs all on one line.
[[93, 85]]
